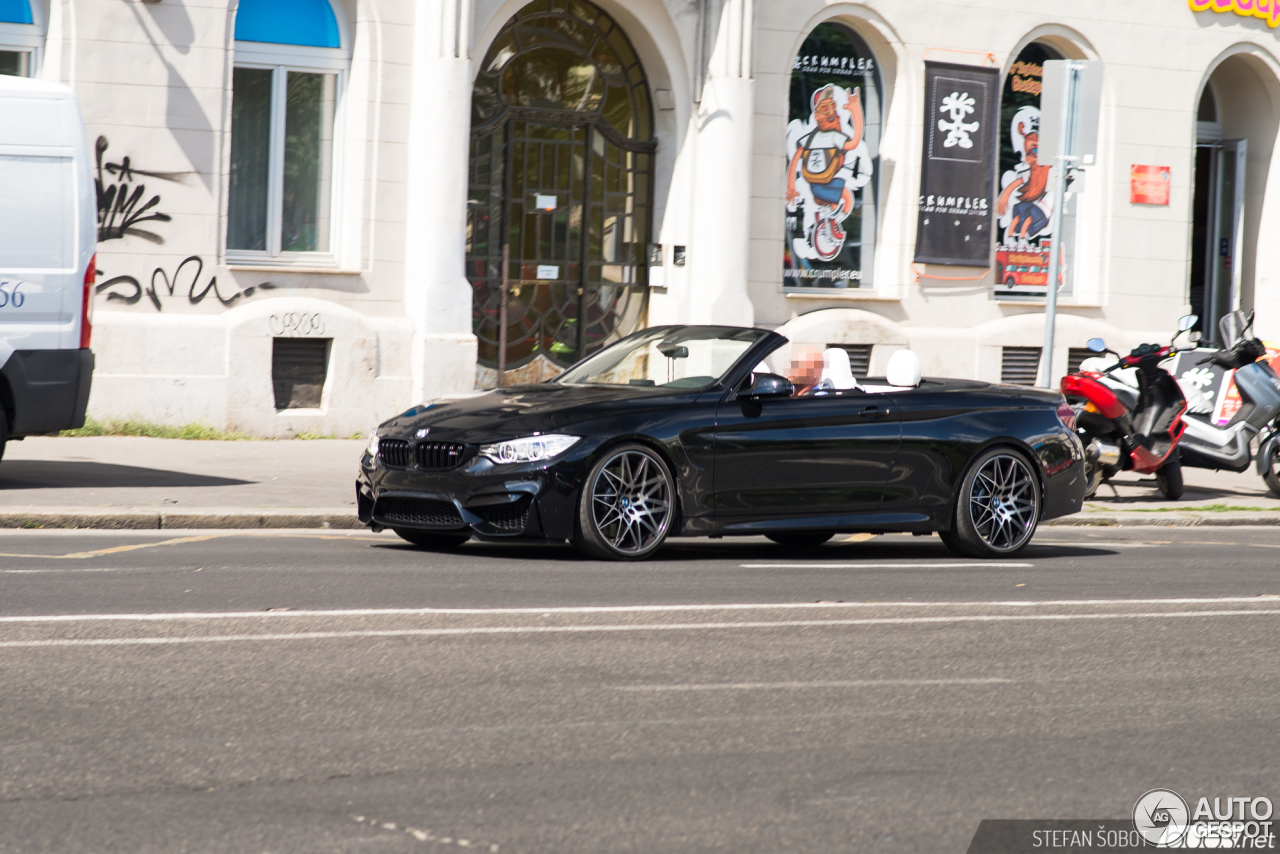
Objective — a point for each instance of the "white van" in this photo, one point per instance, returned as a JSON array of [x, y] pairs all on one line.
[[48, 235]]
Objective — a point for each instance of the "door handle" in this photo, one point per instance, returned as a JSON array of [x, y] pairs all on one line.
[[873, 412]]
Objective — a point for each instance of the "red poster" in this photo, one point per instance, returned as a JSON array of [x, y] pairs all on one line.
[[1149, 185]]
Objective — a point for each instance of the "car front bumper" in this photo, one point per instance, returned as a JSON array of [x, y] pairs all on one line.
[[529, 500]]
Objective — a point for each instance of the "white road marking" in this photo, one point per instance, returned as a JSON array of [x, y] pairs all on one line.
[[768, 686], [670, 627], [600, 609], [865, 565]]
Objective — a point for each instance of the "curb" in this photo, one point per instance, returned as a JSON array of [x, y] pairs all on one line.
[[1163, 520], [152, 521]]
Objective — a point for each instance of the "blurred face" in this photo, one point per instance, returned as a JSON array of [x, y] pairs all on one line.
[[826, 116], [806, 366]]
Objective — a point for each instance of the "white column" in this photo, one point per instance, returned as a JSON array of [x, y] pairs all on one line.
[[718, 252], [437, 294]]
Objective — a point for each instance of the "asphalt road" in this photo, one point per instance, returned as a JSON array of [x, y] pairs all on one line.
[[730, 696]]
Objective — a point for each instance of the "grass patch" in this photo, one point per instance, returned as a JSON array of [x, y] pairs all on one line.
[[1199, 508], [127, 427]]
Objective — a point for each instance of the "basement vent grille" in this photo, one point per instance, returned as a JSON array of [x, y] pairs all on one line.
[[1075, 356], [298, 370], [859, 357], [1019, 365]]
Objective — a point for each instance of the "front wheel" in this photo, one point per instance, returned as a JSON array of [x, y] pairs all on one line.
[[626, 506], [1270, 465], [1169, 478], [997, 506]]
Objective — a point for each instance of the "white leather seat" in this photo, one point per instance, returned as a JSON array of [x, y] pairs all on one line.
[[836, 371], [903, 370]]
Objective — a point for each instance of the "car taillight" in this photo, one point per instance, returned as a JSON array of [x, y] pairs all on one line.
[[86, 303], [1067, 416]]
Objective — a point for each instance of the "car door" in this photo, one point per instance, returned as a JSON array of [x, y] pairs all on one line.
[[803, 456], [942, 423]]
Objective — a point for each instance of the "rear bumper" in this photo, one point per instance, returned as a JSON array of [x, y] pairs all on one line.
[[46, 390]]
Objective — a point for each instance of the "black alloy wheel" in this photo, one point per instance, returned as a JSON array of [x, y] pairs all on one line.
[[997, 508], [801, 539], [626, 506], [431, 539]]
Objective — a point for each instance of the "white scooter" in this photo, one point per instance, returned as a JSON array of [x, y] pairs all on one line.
[[1228, 447]]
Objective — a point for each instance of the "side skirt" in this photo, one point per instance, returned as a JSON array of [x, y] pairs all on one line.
[[887, 522]]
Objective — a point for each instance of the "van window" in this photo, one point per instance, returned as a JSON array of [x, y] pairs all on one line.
[[37, 212]]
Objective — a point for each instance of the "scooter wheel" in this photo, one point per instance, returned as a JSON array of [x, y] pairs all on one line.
[[1169, 479], [1271, 468]]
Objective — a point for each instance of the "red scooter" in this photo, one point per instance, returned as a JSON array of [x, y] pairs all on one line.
[[1125, 428]]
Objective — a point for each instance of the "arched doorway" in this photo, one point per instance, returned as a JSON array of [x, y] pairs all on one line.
[[561, 183], [1236, 124]]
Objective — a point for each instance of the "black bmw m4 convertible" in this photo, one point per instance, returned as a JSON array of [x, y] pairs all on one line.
[[687, 431]]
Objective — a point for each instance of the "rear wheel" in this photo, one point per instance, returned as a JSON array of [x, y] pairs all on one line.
[[1169, 478], [431, 539], [997, 506], [1271, 467], [626, 506], [801, 539]]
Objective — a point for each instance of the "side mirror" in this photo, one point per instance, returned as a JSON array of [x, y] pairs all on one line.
[[1195, 336], [1186, 322], [1097, 345], [767, 385]]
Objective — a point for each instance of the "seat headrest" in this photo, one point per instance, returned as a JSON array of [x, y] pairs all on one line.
[[903, 370], [836, 370]]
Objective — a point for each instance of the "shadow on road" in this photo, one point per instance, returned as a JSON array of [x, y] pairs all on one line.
[[692, 550], [70, 474]]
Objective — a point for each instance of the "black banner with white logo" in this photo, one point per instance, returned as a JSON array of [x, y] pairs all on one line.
[[957, 172]]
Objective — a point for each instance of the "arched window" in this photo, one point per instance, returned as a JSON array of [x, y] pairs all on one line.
[[290, 61], [561, 181], [20, 38], [833, 154], [1026, 222]]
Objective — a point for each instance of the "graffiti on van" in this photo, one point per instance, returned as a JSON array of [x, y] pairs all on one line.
[[122, 199], [185, 281]]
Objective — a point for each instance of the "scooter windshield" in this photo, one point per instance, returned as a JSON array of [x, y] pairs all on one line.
[[1232, 327]]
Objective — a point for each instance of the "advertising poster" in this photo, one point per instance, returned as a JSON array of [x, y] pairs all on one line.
[[833, 139], [1211, 390], [958, 168], [1025, 218]]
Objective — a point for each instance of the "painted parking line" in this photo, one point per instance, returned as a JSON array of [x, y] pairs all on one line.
[[866, 565], [119, 549], [792, 686]]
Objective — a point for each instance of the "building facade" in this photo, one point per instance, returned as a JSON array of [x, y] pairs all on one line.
[[310, 210]]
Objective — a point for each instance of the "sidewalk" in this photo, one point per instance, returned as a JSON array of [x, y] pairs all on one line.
[[126, 482]]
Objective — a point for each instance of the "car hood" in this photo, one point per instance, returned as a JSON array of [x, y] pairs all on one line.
[[508, 413]]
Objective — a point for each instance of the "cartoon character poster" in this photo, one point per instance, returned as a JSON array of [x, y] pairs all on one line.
[[832, 142], [1026, 222]]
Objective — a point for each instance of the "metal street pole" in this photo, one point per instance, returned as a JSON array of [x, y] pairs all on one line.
[[1063, 161]]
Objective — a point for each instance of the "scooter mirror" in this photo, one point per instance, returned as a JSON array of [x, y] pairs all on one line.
[[1195, 336], [1097, 345], [1186, 322]]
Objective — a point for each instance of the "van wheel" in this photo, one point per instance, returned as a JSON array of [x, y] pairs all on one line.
[[997, 506]]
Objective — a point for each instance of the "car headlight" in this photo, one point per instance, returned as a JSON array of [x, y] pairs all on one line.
[[373, 442], [530, 449]]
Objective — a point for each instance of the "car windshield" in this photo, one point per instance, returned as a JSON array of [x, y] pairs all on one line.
[[673, 357]]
